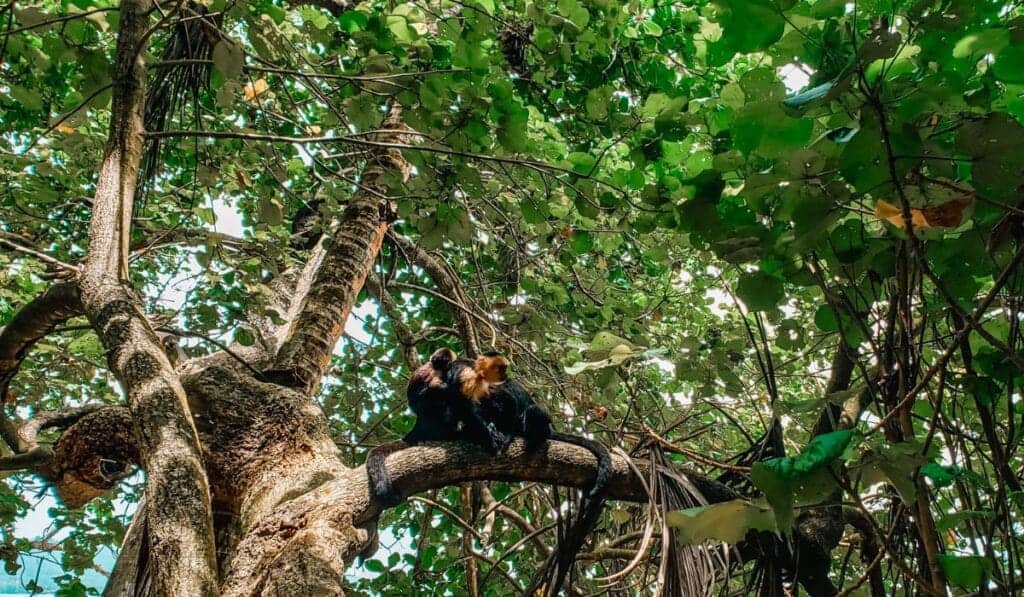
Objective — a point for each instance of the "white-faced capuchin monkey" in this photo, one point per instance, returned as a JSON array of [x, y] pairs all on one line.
[[475, 401]]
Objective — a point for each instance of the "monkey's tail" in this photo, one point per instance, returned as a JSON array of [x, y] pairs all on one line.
[[588, 513], [383, 488], [604, 461]]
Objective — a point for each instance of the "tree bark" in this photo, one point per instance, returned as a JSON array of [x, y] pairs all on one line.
[[33, 322], [179, 524], [347, 259]]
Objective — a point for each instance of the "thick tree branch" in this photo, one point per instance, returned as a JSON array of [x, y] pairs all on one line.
[[437, 465], [41, 459], [180, 524], [346, 261], [34, 321]]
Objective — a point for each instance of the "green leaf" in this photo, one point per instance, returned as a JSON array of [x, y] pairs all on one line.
[[952, 521], [244, 337], [775, 479], [997, 145], [27, 97], [597, 103], [616, 356], [750, 25], [1009, 64], [824, 9], [988, 41], [895, 464], [760, 291], [399, 27], [822, 451], [228, 59], [582, 162], [352, 21], [966, 572], [651, 28], [604, 341], [825, 319], [574, 12], [364, 111], [582, 242], [512, 130], [785, 479], [315, 17]]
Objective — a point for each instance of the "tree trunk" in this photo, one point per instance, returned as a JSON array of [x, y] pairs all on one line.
[[178, 524]]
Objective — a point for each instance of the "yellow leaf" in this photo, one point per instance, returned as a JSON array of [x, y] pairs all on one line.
[[951, 539], [313, 129], [256, 88], [67, 130]]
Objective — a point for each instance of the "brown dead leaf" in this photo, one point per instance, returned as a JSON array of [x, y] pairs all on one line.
[[946, 215], [67, 130], [243, 179], [255, 89]]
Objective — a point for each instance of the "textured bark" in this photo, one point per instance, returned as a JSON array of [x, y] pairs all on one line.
[[179, 524], [180, 527], [125, 578], [347, 259]]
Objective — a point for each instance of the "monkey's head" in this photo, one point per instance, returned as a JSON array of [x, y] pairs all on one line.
[[493, 367], [434, 372], [442, 359], [471, 378]]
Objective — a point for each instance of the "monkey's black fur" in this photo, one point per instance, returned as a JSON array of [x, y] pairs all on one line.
[[459, 399], [445, 395], [441, 395]]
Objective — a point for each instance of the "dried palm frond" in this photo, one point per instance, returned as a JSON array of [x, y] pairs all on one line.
[[182, 76], [683, 569]]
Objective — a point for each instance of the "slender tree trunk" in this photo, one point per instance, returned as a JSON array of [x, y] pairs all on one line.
[[347, 261]]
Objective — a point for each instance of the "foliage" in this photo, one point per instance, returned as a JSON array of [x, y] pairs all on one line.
[[673, 215]]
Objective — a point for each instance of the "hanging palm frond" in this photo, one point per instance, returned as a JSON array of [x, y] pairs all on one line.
[[183, 75], [683, 569]]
